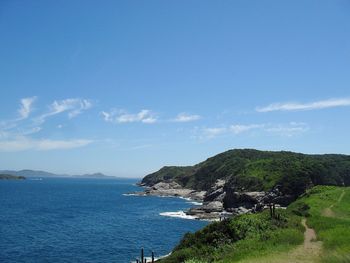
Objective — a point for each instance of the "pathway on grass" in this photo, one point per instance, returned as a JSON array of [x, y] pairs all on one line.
[[328, 212], [308, 252], [311, 245]]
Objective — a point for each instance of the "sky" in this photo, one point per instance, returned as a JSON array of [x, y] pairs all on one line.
[[126, 87]]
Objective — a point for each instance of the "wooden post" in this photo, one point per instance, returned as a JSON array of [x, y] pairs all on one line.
[[142, 255], [152, 257]]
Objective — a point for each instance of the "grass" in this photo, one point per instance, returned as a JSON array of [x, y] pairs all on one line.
[[253, 249]]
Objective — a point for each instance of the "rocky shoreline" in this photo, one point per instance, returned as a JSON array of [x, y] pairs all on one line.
[[219, 202]]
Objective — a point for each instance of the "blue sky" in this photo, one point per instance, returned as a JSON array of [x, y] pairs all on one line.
[[125, 87]]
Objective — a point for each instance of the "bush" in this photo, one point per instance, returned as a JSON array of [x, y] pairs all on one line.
[[301, 209]]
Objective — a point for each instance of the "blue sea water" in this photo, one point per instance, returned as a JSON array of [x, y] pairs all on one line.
[[85, 220]]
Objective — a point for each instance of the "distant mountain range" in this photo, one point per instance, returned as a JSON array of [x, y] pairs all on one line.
[[34, 173]]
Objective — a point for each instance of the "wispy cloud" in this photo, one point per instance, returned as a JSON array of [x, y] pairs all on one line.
[[23, 143], [293, 128], [185, 117], [19, 139], [240, 128], [74, 107], [31, 131], [24, 110], [295, 106], [287, 130], [140, 147], [26, 107], [120, 116], [213, 132]]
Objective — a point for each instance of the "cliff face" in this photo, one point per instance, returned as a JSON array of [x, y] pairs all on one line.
[[285, 175]]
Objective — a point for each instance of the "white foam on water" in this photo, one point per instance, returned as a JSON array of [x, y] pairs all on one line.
[[178, 214], [130, 194], [185, 198], [195, 203], [155, 258], [191, 201]]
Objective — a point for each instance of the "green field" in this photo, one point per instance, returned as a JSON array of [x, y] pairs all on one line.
[[258, 238]]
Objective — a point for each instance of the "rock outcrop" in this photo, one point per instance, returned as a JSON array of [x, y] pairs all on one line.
[[172, 189], [220, 201]]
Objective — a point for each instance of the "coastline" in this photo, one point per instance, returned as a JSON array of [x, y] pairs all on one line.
[[201, 210], [217, 203]]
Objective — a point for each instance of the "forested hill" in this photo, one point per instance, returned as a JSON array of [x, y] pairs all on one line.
[[253, 170]]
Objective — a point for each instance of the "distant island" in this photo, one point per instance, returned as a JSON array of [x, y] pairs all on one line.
[[11, 177], [35, 173]]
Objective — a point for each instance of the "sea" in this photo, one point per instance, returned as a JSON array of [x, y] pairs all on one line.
[[87, 220]]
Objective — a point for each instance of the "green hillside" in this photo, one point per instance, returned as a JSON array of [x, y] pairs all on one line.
[[254, 170], [253, 238]]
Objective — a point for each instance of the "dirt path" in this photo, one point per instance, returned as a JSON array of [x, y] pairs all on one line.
[[310, 239], [328, 212], [308, 252]]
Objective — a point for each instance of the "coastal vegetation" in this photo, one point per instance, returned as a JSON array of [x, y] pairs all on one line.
[[253, 170], [262, 238]]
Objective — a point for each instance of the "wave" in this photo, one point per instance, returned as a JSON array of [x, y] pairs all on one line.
[[130, 194], [178, 214], [196, 203], [190, 201]]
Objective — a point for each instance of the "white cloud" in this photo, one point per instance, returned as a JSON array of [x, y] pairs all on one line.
[[287, 129], [185, 117], [144, 116], [292, 106], [24, 143], [74, 107], [26, 107]]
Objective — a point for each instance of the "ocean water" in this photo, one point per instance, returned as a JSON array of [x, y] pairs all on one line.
[[86, 220]]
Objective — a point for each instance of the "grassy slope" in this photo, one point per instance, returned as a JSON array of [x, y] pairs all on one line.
[[256, 238], [246, 235]]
